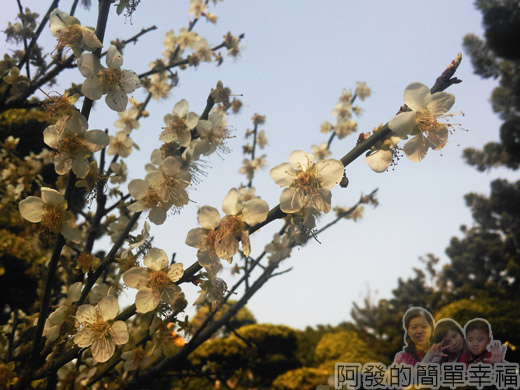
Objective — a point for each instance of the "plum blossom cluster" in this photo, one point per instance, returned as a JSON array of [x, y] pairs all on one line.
[[422, 121], [98, 330], [113, 82], [156, 282], [308, 182], [253, 164], [344, 111], [218, 238], [187, 138]]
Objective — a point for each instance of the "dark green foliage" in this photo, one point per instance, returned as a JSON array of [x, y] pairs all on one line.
[[499, 57]]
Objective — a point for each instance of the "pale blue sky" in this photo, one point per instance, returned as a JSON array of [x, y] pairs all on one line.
[[297, 58]]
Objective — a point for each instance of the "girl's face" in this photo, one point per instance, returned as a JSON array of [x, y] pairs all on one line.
[[419, 331], [454, 342]]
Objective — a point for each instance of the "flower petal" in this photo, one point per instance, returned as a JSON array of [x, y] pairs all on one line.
[[84, 338], [119, 331], [181, 108], [80, 167], [145, 300], [322, 199], [208, 217], [300, 159], [51, 196], [138, 188], [71, 233], [330, 172], [440, 103], [194, 237], [86, 314], [92, 89], [416, 96], [230, 204], [439, 141], [88, 65], [129, 81], [114, 58], [31, 209], [255, 211], [136, 277], [416, 149], [108, 307], [380, 160], [96, 140], [291, 200], [156, 259], [102, 349], [116, 100], [402, 124], [176, 272], [283, 174], [157, 215]]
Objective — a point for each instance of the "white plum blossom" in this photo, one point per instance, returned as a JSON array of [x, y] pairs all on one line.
[[51, 211], [308, 182], [119, 170], [179, 125], [113, 81], [380, 159], [197, 8], [156, 282], [204, 239], [345, 127], [362, 90], [279, 249], [96, 330], [121, 144], [55, 320], [222, 243], [249, 167], [73, 144], [422, 121], [158, 86], [128, 119], [161, 189], [321, 151], [70, 32], [212, 133]]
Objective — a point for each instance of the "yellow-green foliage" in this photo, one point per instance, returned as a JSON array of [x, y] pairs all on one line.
[[270, 339], [243, 317], [346, 347], [17, 117], [229, 351], [305, 378]]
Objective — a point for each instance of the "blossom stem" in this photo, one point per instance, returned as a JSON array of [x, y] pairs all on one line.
[[109, 258], [73, 7], [250, 184], [25, 58]]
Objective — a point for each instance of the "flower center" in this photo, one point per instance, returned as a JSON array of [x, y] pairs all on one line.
[[427, 123], [306, 181], [100, 328], [152, 199], [231, 224], [158, 280], [209, 242], [70, 37], [430, 127], [177, 125], [109, 77], [69, 146], [51, 219]]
